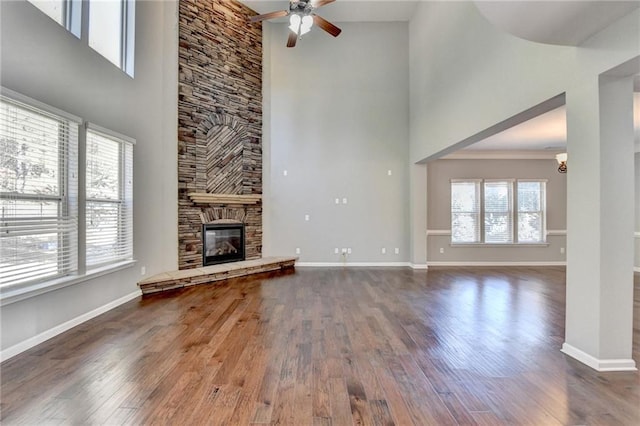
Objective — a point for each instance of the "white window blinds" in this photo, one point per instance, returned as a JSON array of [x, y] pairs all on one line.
[[38, 187], [109, 198], [498, 212], [531, 211], [465, 212], [482, 211]]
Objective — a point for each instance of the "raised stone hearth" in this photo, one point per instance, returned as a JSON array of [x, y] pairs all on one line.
[[210, 274]]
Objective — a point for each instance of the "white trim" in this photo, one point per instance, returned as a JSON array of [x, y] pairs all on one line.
[[556, 232], [353, 264], [52, 332], [462, 180], [16, 293], [438, 232], [636, 269], [636, 234], [471, 154], [598, 364], [483, 263], [418, 266]]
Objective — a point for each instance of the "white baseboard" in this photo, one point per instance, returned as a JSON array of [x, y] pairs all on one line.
[[59, 329], [482, 263], [599, 364], [353, 264], [418, 266], [636, 269]]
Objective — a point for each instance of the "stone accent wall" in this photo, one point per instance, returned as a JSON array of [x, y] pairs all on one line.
[[219, 119]]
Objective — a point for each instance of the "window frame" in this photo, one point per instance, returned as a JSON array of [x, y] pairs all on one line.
[[478, 216], [76, 19], [126, 43], [64, 198], [75, 198], [543, 212], [123, 202], [509, 212], [514, 214]]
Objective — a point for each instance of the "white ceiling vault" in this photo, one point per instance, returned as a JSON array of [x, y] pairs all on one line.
[[554, 22]]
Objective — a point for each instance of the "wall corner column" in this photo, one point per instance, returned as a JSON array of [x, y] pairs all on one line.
[[418, 215], [600, 224]]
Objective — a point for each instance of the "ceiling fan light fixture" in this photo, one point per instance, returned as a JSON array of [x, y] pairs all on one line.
[[300, 24], [307, 23], [294, 23], [302, 18]]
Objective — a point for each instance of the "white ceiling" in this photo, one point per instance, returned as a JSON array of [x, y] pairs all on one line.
[[546, 132], [554, 22], [557, 22]]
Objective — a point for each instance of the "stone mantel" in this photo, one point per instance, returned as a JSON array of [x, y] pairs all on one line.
[[207, 198]]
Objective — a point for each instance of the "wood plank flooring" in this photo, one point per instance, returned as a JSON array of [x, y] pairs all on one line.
[[327, 347]]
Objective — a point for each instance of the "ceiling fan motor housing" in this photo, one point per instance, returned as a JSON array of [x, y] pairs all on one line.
[[300, 6]]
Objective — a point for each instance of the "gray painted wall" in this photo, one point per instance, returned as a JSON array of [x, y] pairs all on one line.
[[439, 175], [337, 120], [43, 61]]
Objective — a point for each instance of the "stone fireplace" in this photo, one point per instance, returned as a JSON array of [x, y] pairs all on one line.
[[219, 125]]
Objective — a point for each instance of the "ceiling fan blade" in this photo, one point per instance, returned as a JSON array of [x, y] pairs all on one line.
[[270, 15], [293, 38], [326, 25], [319, 3]]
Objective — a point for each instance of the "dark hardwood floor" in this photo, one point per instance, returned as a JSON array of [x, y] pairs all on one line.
[[327, 347]]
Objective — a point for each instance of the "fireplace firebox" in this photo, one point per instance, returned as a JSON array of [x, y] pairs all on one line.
[[222, 243]]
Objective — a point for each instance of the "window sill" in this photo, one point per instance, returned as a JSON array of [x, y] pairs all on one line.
[[16, 293], [495, 245]]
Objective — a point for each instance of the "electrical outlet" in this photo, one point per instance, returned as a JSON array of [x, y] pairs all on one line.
[[337, 200], [441, 250], [349, 250], [336, 250], [306, 217], [389, 173], [285, 173], [344, 200], [297, 250], [397, 250], [561, 250], [143, 270], [344, 251], [383, 251]]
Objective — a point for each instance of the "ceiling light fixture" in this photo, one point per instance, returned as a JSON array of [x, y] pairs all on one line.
[[300, 24], [562, 162]]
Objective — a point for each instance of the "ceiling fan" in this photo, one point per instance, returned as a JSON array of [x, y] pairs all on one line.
[[302, 17]]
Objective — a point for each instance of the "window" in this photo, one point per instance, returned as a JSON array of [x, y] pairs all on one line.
[[531, 211], [109, 200], [465, 212], [482, 211], [111, 31], [110, 26], [498, 212], [57, 219], [38, 184]]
